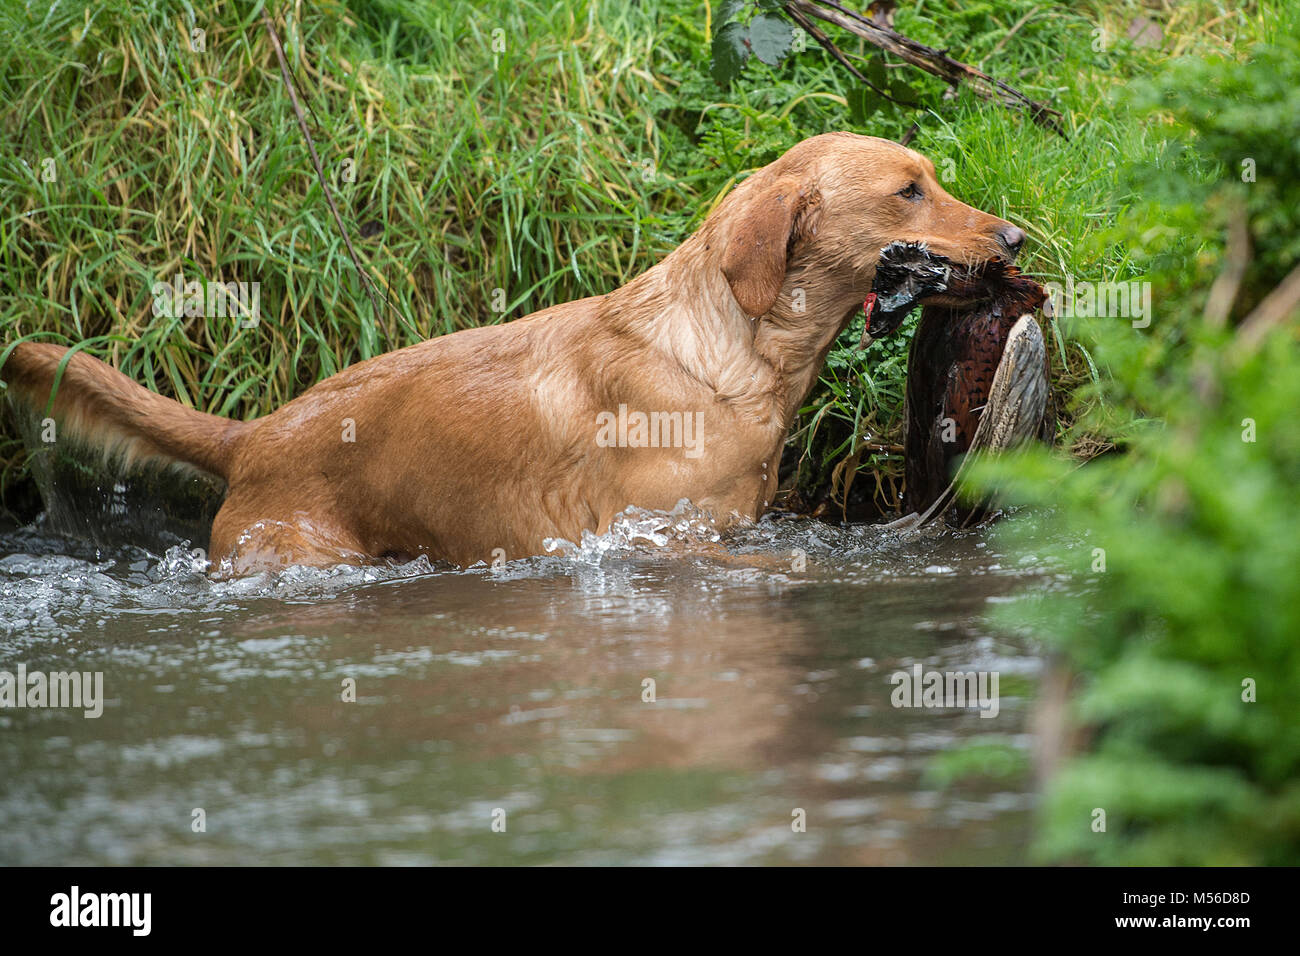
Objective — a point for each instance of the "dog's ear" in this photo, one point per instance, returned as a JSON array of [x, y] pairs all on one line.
[[754, 262]]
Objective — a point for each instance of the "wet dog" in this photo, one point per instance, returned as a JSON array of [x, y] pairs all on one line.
[[484, 442]]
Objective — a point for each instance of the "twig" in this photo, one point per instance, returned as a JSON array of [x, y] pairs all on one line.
[[932, 61], [888, 448], [1278, 305], [320, 173], [1218, 304], [830, 47], [1012, 32]]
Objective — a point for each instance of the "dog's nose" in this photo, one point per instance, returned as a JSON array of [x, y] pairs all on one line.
[[1012, 238]]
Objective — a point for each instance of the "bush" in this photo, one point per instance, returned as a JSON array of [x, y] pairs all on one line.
[[1185, 608]]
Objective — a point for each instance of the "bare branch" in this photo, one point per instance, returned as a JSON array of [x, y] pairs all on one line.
[[830, 47], [936, 62], [1218, 304], [315, 160], [1280, 304]]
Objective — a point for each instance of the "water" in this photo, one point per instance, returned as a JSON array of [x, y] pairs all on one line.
[[516, 693]]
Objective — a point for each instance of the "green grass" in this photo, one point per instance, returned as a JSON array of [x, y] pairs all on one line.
[[558, 167]]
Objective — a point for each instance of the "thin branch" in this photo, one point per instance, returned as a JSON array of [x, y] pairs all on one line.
[[830, 47], [1280, 304], [1012, 32], [936, 62], [1218, 304], [320, 173]]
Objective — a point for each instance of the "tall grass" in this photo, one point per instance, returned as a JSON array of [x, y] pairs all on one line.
[[491, 158], [468, 178]]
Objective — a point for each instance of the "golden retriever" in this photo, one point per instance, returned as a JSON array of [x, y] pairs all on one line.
[[681, 384]]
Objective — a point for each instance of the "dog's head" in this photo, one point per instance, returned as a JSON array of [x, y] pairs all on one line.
[[827, 208]]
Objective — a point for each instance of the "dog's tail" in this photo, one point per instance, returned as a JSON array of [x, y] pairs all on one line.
[[107, 411]]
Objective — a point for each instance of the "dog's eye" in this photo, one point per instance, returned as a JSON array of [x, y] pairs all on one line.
[[910, 192]]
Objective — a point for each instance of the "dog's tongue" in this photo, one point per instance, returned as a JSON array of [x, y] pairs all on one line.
[[868, 305]]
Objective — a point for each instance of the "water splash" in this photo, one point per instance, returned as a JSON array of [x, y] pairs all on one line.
[[634, 528], [54, 587]]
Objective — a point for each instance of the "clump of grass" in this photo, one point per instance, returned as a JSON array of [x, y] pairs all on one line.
[[469, 176]]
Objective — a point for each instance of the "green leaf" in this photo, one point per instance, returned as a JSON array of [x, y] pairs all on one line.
[[863, 104], [876, 72], [770, 38], [900, 90], [730, 50], [726, 13]]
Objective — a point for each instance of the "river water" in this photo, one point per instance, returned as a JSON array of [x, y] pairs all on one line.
[[506, 715]]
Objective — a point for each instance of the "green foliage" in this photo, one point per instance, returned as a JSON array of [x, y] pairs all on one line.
[[1184, 552], [1238, 124], [745, 28]]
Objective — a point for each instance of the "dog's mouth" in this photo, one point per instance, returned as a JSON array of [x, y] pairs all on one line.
[[908, 274]]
